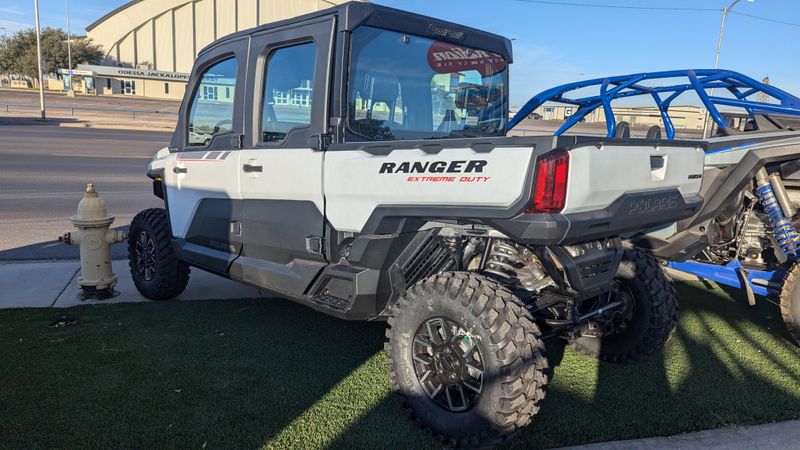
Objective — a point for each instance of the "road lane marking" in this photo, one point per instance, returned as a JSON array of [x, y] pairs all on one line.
[[79, 155]]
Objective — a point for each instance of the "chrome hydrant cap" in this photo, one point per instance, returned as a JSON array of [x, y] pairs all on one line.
[[91, 210]]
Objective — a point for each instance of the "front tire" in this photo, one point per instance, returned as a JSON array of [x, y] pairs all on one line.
[[644, 324], [466, 359], [157, 272], [790, 303]]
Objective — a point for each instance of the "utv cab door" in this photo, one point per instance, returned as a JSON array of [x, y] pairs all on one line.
[[203, 196], [281, 166]]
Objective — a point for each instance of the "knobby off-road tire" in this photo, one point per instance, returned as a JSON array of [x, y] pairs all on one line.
[[506, 340], [157, 272], [790, 303], [650, 322]]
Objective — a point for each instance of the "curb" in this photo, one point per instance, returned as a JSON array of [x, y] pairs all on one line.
[[115, 127], [777, 435]]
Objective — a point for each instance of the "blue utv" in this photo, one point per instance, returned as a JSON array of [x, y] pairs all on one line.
[[746, 233]]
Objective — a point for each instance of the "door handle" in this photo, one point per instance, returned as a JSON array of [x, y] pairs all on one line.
[[252, 168], [179, 170]]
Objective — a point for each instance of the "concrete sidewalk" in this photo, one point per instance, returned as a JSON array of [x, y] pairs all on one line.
[[777, 436], [53, 284]]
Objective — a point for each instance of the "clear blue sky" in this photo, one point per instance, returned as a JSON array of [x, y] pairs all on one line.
[[557, 43]]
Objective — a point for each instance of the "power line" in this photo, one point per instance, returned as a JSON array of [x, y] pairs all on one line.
[[650, 8], [612, 6], [767, 19]]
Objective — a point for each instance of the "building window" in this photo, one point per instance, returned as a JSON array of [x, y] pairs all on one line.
[[287, 90], [129, 87], [227, 92], [108, 83], [166, 88], [210, 93]]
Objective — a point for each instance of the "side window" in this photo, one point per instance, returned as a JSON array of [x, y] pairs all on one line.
[[288, 90], [211, 114]]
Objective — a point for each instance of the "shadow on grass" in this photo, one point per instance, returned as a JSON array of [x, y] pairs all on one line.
[[245, 374], [727, 364]]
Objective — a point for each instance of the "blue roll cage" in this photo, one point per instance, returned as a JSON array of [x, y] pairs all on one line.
[[623, 86]]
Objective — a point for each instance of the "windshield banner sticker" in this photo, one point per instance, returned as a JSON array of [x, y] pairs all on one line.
[[444, 57]]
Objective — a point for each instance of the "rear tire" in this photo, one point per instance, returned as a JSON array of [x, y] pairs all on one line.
[[790, 303], [157, 272], [649, 319], [502, 342]]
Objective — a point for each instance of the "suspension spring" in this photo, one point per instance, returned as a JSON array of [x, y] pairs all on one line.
[[503, 260], [785, 232]]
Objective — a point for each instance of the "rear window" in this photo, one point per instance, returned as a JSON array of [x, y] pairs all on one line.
[[403, 86]]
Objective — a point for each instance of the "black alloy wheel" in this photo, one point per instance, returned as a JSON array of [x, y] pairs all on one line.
[[448, 364]]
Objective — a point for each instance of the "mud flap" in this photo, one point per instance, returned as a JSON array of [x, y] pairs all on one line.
[[751, 297]]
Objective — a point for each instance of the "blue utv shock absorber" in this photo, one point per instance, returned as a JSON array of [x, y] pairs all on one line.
[[785, 232]]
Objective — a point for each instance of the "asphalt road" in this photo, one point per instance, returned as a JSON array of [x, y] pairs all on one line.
[[43, 173], [58, 99]]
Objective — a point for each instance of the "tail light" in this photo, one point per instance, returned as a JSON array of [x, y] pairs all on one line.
[[550, 183]]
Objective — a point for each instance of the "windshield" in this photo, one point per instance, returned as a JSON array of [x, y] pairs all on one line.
[[408, 87]]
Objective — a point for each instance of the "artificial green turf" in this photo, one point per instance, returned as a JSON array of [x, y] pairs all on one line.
[[253, 373]]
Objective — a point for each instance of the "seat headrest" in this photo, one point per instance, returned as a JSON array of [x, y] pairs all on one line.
[[623, 130], [382, 87], [654, 132]]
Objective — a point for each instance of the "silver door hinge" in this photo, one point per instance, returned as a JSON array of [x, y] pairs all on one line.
[[236, 228], [320, 141], [315, 244], [237, 141]]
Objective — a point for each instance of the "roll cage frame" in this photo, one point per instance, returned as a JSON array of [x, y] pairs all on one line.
[[623, 86]]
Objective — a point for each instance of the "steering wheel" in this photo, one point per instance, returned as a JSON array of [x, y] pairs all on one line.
[[219, 124]]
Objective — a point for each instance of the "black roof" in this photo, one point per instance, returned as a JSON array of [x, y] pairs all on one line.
[[352, 14]]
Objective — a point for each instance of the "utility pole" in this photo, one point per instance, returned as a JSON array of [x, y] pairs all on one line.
[[725, 12], [8, 76], [70, 91], [39, 58], [69, 41]]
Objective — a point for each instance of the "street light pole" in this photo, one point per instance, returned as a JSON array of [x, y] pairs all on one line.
[[70, 91], [725, 12], [7, 76], [39, 57], [69, 41]]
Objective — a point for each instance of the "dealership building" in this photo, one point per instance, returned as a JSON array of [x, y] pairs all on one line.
[[150, 45]]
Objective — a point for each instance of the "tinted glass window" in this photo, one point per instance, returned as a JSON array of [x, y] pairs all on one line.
[[288, 89], [408, 87], [211, 110]]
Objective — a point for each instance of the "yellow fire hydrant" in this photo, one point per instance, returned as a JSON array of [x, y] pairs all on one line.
[[94, 238]]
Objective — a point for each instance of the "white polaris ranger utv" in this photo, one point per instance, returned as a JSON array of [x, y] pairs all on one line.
[[355, 160]]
